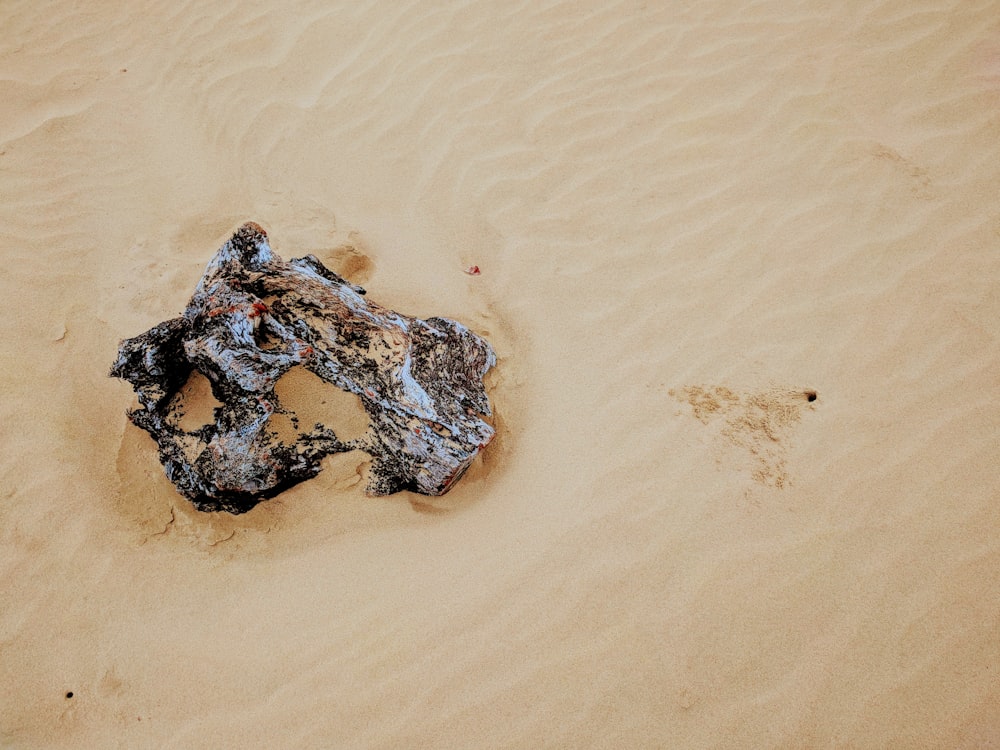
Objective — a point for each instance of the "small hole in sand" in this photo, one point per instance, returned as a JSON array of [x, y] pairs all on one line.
[[69, 694], [811, 396]]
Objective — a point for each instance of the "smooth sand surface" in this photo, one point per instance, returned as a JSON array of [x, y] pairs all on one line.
[[688, 216]]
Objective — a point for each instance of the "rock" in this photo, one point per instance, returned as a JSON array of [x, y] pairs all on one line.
[[251, 319]]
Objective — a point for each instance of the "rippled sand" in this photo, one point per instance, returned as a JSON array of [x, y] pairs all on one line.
[[740, 265]]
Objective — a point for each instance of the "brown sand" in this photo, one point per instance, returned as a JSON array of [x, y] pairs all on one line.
[[687, 215]]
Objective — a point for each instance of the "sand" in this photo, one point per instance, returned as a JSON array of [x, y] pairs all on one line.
[[740, 266]]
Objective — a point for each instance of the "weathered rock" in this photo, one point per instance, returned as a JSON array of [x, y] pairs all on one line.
[[251, 319]]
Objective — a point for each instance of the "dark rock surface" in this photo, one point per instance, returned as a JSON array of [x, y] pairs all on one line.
[[252, 318]]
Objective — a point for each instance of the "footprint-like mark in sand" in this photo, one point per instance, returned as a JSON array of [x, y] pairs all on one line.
[[758, 422]]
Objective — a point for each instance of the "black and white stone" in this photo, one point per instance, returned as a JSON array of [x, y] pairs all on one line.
[[251, 319]]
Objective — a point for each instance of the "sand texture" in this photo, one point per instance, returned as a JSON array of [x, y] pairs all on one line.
[[740, 265]]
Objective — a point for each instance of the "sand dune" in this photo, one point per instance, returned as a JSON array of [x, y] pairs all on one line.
[[689, 218]]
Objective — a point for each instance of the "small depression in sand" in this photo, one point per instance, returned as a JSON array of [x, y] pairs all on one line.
[[758, 423]]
